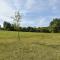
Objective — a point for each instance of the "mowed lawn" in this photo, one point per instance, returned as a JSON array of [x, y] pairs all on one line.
[[31, 46]]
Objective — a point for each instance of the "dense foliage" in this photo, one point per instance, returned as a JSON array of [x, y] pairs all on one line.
[[54, 27]]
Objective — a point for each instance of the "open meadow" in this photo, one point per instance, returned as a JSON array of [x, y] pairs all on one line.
[[31, 46]]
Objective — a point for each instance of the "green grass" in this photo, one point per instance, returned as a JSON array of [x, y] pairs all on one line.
[[32, 46]]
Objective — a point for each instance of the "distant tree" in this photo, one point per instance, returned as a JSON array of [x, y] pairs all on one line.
[[7, 25], [0, 26], [55, 25], [17, 20], [44, 29], [24, 29], [29, 29]]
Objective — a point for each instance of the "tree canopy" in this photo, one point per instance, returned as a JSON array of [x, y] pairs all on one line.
[[55, 25]]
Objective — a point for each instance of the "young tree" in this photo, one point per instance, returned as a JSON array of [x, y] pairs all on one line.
[[17, 20]]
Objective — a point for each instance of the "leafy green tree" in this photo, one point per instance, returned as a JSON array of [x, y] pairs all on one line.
[[55, 25], [7, 25], [43, 29], [0, 26]]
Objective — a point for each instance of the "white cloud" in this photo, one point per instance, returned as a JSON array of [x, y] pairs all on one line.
[[30, 4], [41, 21], [5, 9], [54, 4], [6, 12], [8, 7]]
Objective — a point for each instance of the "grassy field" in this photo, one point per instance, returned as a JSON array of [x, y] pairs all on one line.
[[31, 46]]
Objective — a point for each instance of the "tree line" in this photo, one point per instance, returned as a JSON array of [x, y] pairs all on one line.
[[54, 27]]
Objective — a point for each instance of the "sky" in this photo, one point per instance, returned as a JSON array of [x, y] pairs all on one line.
[[35, 13]]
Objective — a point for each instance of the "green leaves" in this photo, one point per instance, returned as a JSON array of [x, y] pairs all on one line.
[[55, 25]]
